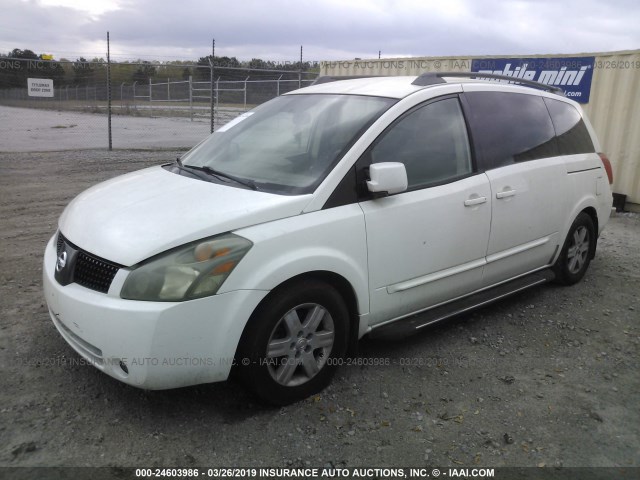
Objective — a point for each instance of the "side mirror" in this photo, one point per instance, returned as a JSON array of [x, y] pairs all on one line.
[[387, 178]]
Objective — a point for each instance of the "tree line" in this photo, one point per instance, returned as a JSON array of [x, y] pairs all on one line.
[[18, 65]]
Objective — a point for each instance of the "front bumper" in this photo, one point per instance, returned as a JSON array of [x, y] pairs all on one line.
[[151, 345]]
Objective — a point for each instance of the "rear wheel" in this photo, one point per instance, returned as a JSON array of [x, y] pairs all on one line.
[[577, 251], [290, 345]]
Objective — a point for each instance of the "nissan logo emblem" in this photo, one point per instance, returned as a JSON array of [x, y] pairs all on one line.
[[62, 261]]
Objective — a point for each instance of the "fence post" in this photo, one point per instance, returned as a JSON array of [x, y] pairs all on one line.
[[212, 94], [278, 86], [300, 71], [168, 90], [191, 97], [214, 101], [150, 94], [217, 92], [109, 93], [245, 92]]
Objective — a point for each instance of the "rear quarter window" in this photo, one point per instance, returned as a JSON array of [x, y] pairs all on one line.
[[511, 127], [571, 131]]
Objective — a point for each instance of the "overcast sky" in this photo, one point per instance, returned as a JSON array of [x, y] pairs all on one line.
[[329, 30]]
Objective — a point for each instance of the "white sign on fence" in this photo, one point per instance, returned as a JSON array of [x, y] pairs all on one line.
[[40, 87]]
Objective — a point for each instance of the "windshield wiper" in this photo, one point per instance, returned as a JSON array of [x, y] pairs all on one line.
[[220, 175], [191, 171]]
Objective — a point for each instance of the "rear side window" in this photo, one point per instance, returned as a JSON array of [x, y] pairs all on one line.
[[572, 134], [511, 127]]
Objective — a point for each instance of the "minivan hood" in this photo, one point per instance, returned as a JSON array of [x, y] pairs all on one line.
[[135, 216]]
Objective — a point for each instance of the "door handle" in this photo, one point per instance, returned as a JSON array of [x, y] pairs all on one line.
[[505, 194], [474, 201]]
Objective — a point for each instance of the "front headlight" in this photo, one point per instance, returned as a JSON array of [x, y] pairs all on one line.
[[192, 271]]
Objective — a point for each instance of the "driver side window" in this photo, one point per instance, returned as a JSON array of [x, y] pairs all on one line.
[[431, 141]]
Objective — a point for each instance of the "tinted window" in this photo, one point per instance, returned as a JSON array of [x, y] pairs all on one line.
[[431, 141], [511, 127], [573, 136]]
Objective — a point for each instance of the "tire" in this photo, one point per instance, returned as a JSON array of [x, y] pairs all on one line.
[[291, 344], [577, 251]]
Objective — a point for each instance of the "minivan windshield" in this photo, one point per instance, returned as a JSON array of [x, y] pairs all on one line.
[[289, 144]]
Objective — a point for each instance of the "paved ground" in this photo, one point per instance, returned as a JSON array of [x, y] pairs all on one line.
[[550, 377], [36, 130]]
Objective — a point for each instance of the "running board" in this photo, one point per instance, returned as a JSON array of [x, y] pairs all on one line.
[[409, 325]]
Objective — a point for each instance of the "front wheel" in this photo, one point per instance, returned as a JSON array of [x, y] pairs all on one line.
[[291, 343], [577, 251]]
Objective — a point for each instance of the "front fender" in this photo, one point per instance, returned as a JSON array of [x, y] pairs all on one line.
[[332, 240]]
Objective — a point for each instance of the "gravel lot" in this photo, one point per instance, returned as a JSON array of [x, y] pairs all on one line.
[[550, 377], [31, 130]]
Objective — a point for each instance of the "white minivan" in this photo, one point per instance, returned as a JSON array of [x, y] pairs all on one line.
[[367, 206]]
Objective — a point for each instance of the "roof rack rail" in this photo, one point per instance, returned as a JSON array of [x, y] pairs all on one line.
[[337, 78], [433, 78]]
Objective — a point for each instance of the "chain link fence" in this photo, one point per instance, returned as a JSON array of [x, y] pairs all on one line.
[[64, 105]]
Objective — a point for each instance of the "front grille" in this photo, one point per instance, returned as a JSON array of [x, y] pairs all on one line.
[[59, 244], [90, 271], [93, 272]]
